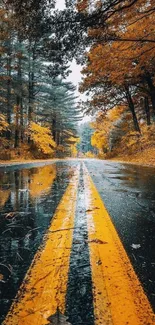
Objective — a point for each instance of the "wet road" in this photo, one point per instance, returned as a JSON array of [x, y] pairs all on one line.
[[28, 199], [129, 194], [29, 196]]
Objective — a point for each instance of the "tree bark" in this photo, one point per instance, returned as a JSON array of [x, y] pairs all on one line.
[[31, 86], [151, 90], [18, 100], [132, 109], [57, 137], [16, 143], [147, 110], [8, 133], [21, 121], [54, 128]]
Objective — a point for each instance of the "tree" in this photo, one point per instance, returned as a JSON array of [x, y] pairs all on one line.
[[134, 78], [85, 132], [31, 88], [41, 139], [3, 124]]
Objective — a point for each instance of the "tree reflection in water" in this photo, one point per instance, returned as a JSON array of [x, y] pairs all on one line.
[[28, 198]]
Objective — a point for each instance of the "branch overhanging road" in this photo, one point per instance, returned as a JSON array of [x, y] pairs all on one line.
[[87, 266]]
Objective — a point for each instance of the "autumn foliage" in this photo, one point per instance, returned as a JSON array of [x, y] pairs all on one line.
[[115, 43], [41, 138], [119, 75], [3, 123]]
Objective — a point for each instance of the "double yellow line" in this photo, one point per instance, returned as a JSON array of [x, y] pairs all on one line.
[[118, 297], [44, 287]]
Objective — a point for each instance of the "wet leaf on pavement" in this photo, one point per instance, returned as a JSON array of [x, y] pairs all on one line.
[[99, 262], [58, 319], [97, 241], [1, 277], [89, 210], [11, 215]]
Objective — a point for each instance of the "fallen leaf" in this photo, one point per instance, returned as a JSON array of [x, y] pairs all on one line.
[[1, 277], [89, 210], [97, 241], [11, 215], [58, 319]]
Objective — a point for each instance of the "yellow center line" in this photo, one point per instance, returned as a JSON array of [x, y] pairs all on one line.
[[44, 287], [119, 298]]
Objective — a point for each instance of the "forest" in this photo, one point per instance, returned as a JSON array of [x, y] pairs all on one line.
[[114, 41], [36, 100]]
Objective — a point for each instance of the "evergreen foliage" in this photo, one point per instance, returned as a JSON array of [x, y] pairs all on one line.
[[34, 94]]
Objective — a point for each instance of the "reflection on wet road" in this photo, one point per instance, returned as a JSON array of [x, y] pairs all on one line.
[[129, 194], [29, 197], [79, 278]]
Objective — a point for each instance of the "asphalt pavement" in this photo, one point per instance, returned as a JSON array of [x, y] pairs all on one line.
[[31, 196]]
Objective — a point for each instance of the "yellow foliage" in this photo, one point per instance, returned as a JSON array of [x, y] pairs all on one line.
[[42, 138], [128, 142], [60, 148], [72, 139], [73, 145], [73, 150], [115, 113], [99, 140], [3, 124], [133, 143], [89, 154], [103, 125]]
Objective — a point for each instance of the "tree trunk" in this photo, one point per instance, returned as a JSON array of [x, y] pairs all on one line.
[[21, 121], [147, 110], [132, 109], [54, 129], [20, 81], [8, 133], [16, 143], [57, 137], [31, 87], [18, 99], [152, 91], [60, 138]]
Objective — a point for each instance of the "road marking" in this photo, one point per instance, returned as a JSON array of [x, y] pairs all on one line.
[[44, 287], [79, 297], [119, 298]]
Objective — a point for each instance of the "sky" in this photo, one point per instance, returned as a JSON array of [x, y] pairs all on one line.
[[60, 4], [75, 76]]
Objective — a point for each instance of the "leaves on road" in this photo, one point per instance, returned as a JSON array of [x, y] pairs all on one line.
[[1, 277], [11, 215], [97, 241], [99, 262], [58, 319], [89, 210]]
